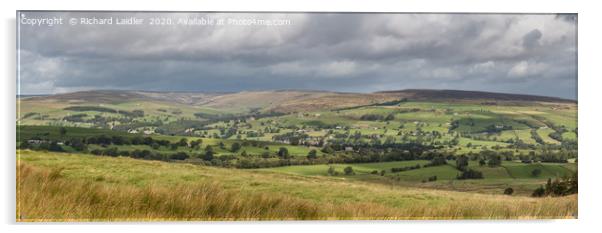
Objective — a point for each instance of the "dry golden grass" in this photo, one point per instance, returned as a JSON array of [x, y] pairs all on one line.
[[47, 196], [48, 192]]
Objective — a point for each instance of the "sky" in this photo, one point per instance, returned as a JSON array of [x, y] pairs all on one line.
[[511, 53]]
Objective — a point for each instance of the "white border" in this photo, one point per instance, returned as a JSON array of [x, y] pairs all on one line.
[[588, 96]]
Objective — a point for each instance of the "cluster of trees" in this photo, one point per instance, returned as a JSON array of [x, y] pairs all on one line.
[[536, 137], [45, 145], [347, 171], [437, 161], [402, 169], [558, 187], [462, 162], [293, 138], [140, 154], [137, 140], [470, 174], [377, 117]]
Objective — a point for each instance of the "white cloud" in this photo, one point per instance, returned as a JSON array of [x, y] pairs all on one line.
[[525, 68], [338, 68], [483, 67]]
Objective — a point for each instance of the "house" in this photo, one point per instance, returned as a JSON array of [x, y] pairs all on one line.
[[348, 148], [35, 141]]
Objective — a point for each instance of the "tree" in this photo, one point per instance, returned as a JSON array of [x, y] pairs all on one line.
[[183, 142], [482, 162], [77, 144], [235, 147], [24, 144], [327, 149], [539, 192], [63, 131], [508, 191], [349, 171], [461, 162], [331, 171], [283, 152], [179, 156], [196, 143], [208, 156], [536, 172], [313, 154], [494, 161]]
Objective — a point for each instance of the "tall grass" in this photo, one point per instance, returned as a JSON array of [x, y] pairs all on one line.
[[45, 195]]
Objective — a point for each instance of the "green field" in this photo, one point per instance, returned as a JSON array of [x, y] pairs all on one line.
[[507, 175]]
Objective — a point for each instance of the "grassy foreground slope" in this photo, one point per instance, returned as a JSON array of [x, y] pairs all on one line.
[[76, 187]]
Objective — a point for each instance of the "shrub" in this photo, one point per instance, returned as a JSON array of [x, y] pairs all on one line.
[[208, 156], [482, 162], [372, 117], [349, 171], [508, 191], [313, 154], [283, 152], [539, 192], [235, 147], [536, 172], [331, 171]]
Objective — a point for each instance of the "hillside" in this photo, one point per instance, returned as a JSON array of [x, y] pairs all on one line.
[[430, 95], [287, 100], [84, 187]]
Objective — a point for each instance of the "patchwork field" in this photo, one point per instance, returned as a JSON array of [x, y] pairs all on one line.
[[413, 154]]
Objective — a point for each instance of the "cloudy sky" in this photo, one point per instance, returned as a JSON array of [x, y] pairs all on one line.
[[530, 54]]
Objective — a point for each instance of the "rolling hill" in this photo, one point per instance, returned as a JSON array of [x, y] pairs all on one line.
[[287, 100]]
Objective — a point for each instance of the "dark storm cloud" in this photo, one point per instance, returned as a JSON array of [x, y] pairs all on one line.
[[532, 54]]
